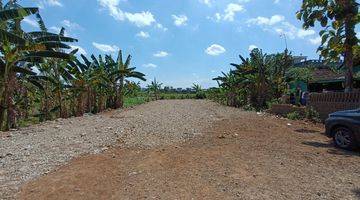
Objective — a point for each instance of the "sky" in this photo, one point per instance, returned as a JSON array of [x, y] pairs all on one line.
[[179, 42]]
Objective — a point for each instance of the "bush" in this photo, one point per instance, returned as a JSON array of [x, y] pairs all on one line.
[[312, 115], [294, 116], [200, 95]]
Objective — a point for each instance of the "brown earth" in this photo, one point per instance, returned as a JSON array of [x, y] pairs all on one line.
[[248, 157]]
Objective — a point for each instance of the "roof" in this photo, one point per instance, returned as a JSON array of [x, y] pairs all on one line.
[[323, 75], [326, 75]]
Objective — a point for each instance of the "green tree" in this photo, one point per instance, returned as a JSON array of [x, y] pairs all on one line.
[[119, 71], [18, 51], [155, 88], [338, 19]]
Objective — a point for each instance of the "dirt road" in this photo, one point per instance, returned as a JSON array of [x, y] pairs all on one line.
[[231, 155]]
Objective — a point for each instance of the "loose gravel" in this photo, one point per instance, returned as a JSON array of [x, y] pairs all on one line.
[[30, 152]]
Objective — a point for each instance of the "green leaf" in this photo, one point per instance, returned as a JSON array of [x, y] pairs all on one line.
[[22, 70], [324, 22], [37, 34], [48, 54], [17, 13], [12, 38], [56, 45], [55, 38]]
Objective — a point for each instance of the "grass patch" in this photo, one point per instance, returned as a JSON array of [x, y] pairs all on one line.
[[133, 101]]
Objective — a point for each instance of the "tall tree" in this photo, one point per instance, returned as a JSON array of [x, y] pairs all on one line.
[[338, 19]]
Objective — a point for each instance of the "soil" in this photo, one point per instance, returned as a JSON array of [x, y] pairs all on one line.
[[241, 155]]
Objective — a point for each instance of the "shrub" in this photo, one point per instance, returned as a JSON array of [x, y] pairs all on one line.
[[200, 95], [312, 115], [294, 116]]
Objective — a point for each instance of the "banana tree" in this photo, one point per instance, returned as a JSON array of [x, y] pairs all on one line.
[[119, 71], [155, 88], [17, 50]]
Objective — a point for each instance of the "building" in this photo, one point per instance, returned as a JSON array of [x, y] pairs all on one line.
[[325, 76]]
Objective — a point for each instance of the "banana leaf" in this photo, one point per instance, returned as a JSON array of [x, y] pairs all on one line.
[[11, 38], [17, 13]]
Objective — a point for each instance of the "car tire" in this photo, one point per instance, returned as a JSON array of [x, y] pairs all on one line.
[[344, 138]]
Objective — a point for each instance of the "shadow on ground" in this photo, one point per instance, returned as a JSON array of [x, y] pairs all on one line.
[[331, 149], [304, 130], [357, 192]]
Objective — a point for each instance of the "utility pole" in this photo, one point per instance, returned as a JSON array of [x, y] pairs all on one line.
[[283, 35]]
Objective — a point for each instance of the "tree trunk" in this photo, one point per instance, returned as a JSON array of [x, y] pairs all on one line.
[[80, 105], [120, 98], [350, 42]]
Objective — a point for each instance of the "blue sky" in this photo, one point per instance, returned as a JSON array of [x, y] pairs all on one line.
[[180, 42]]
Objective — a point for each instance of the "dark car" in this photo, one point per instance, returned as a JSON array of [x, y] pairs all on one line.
[[344, 128]]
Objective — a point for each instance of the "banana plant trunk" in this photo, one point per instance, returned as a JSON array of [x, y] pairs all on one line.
[[120, 94], [348, 54], [7, 110], [80, 105]]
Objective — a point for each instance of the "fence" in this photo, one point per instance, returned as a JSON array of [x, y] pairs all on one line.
[[326, 103]]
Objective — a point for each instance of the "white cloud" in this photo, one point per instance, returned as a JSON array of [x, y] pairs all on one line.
[[149, 65], [215, 50], [266, 21], [231, 10], [276, 1], [54, 3], [51, 3], [80, 49], [206, 2], [71, 25], [301, 33], [161, 54], [315, 41], [143, 34], [56, 29], [31, 22], [139, 19], [252, 47], [279, 25], [106, 48], [160, 26], [180, 20]]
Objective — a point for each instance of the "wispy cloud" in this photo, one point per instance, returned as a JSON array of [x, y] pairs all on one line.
[[315, 41], [51, 3], [140, 19], [161, 54], [266, 21], [149, 65], [279, 25], [143, 34], [31, 22], [80, 49], [229, 12], [206, 2], [106, 47], [180, 20]]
